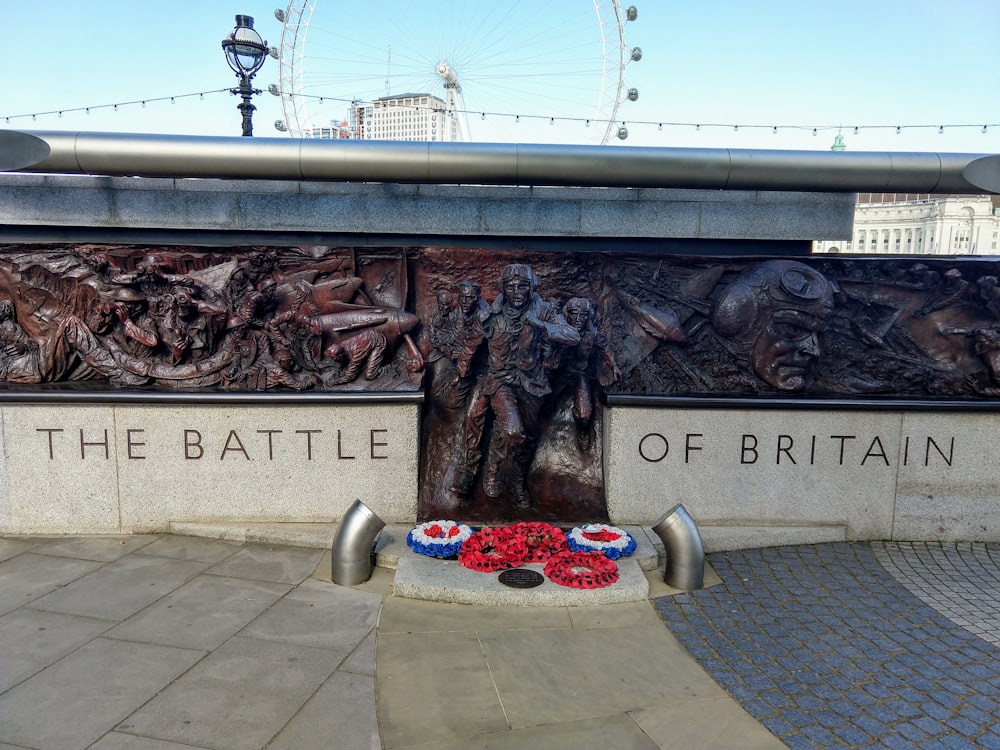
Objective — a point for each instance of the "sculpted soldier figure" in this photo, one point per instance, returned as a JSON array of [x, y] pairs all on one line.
[[460, 343], [253, 368], [439, 333], [364, 350], [772, 316], [589, 361], [519, 328], [19, 353], [438, 325]]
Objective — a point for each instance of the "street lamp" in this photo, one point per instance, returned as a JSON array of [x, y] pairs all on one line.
[[245, 53]]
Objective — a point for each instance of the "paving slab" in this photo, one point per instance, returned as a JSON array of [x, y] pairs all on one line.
[[31, 640], [237, 698], [715, 723], [11, 546], [120, 741], [81, 697], [340, 715], [192, 548], [202, 613], [550, 676], [434, 686], [270, 563], [627, 615], [103, 548], [29, 576], [605, 733], [362, 659], [401, 615], [551, 668], [119, 589], [320, 615]]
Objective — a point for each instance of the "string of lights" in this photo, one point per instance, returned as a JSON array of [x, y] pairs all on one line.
[[552, 120], [115, 106]]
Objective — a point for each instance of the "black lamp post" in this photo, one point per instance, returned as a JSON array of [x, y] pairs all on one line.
[[245, 53]]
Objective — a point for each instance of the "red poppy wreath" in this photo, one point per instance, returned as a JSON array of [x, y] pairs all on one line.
[[489, 550], [581, 570]]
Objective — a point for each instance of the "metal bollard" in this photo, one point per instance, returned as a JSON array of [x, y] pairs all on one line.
[[685, 568], [352, 554]]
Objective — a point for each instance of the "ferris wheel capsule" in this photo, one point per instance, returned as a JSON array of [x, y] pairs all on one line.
[[622, 133], [446, 72]]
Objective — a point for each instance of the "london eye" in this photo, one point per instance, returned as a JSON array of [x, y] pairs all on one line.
[[497, 66]]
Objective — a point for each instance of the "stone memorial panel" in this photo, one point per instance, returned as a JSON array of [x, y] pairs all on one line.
[[137, 468], [878, 474]]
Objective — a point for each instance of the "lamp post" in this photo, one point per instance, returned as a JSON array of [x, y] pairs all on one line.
[[245, 53]]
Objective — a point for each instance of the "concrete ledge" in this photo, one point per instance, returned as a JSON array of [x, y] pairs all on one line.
[[386, 208], [390, 545], [720, 538], [419, 577], [311, 535]]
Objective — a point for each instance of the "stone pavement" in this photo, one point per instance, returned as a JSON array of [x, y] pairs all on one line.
[[170, 642], [159, 643]]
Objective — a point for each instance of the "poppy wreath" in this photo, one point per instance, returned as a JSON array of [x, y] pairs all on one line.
[[610, 541], [581, 570], [542, 540], [438, 538], [490, 549]]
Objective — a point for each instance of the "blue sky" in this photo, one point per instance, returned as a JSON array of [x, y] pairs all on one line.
[[794, 64]]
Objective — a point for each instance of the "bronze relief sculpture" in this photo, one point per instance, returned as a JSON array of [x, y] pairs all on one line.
[[514, 350], [252, 320]]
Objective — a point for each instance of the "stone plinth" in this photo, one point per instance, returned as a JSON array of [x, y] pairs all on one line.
[[863, 474], [132, 468], [419, 577]]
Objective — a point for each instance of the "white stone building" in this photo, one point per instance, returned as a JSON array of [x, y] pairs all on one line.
[[897, 223], [404, 117]]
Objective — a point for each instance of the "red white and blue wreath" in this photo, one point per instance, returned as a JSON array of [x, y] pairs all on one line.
[[438, 538], [611, 541]]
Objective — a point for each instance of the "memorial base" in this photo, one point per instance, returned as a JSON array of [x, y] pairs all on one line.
[[138, 468]]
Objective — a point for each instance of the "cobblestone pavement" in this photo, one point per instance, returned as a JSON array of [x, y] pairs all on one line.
[[826, 648]]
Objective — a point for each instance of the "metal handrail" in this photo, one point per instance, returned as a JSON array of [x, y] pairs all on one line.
[[310, 159]]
